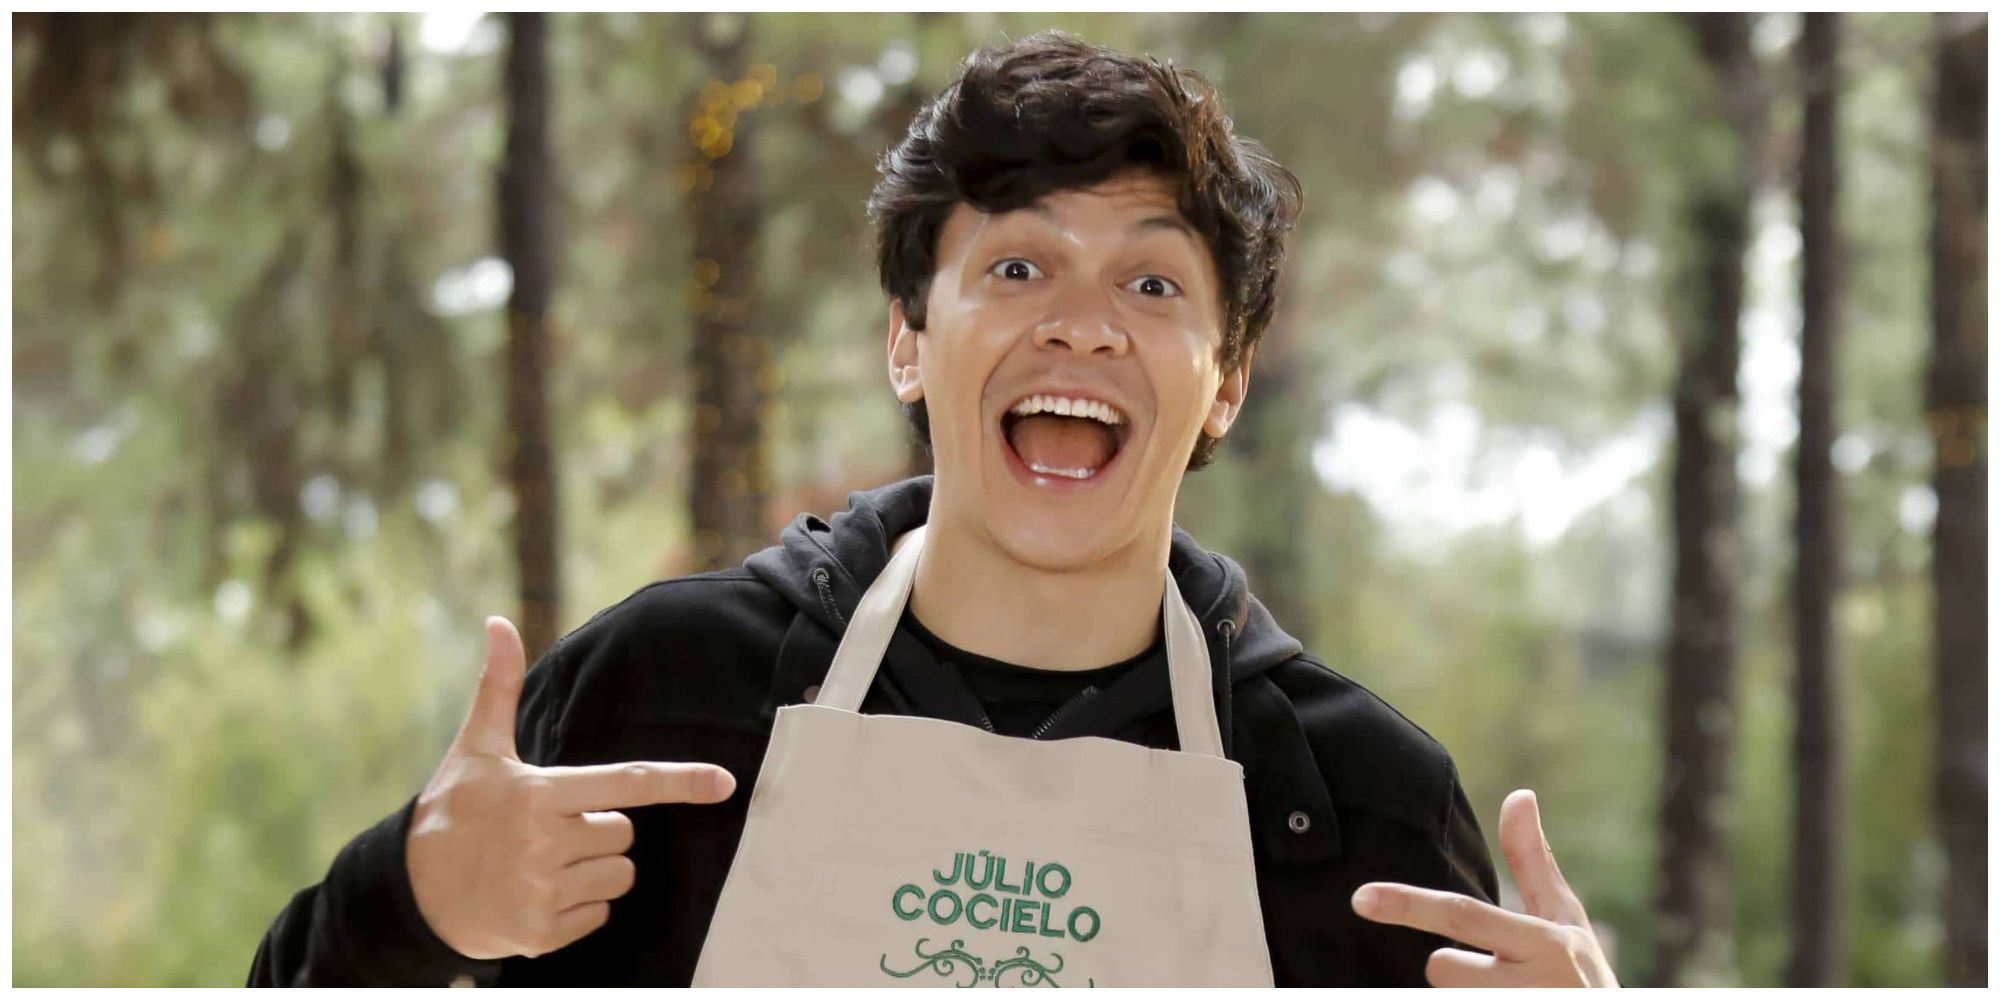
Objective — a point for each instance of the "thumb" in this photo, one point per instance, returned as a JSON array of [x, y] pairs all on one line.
[[1544, 891], [489, 726]]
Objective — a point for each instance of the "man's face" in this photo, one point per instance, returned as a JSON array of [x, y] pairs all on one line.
[[1068, 363]]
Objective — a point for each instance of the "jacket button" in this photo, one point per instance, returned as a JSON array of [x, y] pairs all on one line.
[[811, 693], [1298, 821]]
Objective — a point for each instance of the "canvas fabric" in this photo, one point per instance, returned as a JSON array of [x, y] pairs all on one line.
[[898, 850]]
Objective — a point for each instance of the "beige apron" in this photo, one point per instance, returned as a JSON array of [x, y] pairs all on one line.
[[893, 850]]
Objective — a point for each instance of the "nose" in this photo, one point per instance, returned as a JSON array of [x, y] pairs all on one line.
[[1084, 320]]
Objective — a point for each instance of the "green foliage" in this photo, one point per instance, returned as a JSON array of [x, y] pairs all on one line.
[[259, 509]]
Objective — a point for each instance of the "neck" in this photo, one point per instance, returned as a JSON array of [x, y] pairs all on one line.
[[974, 596]]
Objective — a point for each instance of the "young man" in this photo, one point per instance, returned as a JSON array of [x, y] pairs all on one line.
[[1080, 258]]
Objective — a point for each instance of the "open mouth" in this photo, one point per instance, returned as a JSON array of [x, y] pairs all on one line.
[[1064, 437]]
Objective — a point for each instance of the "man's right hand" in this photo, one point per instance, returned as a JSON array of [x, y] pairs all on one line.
[[509, 859]]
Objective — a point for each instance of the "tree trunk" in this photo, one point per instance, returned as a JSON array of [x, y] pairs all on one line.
[[526, 190], [1273, 433], [262, 405], [899, 111], [1818, 956], [388, 325], [394, 64], [1693, 945], [1274, 436], [1957, 417], [351, 301], [732, 360]]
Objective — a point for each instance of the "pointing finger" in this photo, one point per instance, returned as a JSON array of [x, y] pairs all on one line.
[[1543, 889], [599, 787], [489, 725], [1448, 914]]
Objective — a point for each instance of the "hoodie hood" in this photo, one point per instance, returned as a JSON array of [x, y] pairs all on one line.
[[823, 569]]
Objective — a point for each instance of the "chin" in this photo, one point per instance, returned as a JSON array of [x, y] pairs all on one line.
[[1054, 524], [1057, 526], [1057, 541]]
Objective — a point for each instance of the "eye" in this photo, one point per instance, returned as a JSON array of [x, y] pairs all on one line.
[[1155, 286], [1016, 269]]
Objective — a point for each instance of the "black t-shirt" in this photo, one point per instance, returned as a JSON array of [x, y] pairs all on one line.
[[1022, 701]]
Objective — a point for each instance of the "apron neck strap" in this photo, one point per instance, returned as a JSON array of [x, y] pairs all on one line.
[[1190, 676], [881, 609], [875, 618]]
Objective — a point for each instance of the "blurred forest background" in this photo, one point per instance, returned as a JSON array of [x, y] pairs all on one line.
[[1623, 425]]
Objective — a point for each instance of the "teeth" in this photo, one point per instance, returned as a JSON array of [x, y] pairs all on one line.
[[1065, 407], [1041, 469]]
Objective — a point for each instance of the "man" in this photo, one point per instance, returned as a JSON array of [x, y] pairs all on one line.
[[1080, 257]]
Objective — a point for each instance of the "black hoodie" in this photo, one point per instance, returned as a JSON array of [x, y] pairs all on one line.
[[1342, 790]]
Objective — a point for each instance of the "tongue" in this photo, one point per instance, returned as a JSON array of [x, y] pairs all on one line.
[[1054, 442]]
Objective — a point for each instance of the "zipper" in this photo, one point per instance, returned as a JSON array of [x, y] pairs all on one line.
[[824, 581], [1227, 629], [1056, 716]]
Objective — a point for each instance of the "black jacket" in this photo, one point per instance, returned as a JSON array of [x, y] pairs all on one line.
[[1342, 790]]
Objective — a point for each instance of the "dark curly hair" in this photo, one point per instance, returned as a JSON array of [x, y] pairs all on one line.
[[1052, 112]]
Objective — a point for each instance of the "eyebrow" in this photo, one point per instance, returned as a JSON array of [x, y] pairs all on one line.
[[1172, 223]]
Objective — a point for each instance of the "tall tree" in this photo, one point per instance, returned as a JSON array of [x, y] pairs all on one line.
[[345, 194], [1956, 406], [730, 357], [526, 191], [1274, 434], [75, 97], [397, 305], [1818, 955], [884, 128], [1693, 942], [899, 110]]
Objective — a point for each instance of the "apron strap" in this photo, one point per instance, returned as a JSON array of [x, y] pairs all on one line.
[[875, 618], [1190, 676], [881, 609]]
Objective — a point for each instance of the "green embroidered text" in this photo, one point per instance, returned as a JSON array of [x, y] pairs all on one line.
[[977, 892]]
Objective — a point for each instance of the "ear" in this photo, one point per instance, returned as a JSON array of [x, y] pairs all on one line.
[[1229, 397], [904, 375]]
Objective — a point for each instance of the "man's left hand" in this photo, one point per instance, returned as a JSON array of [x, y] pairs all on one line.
[[1550, 945]]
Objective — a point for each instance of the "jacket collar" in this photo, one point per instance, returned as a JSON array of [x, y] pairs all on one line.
[[824, 568]]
